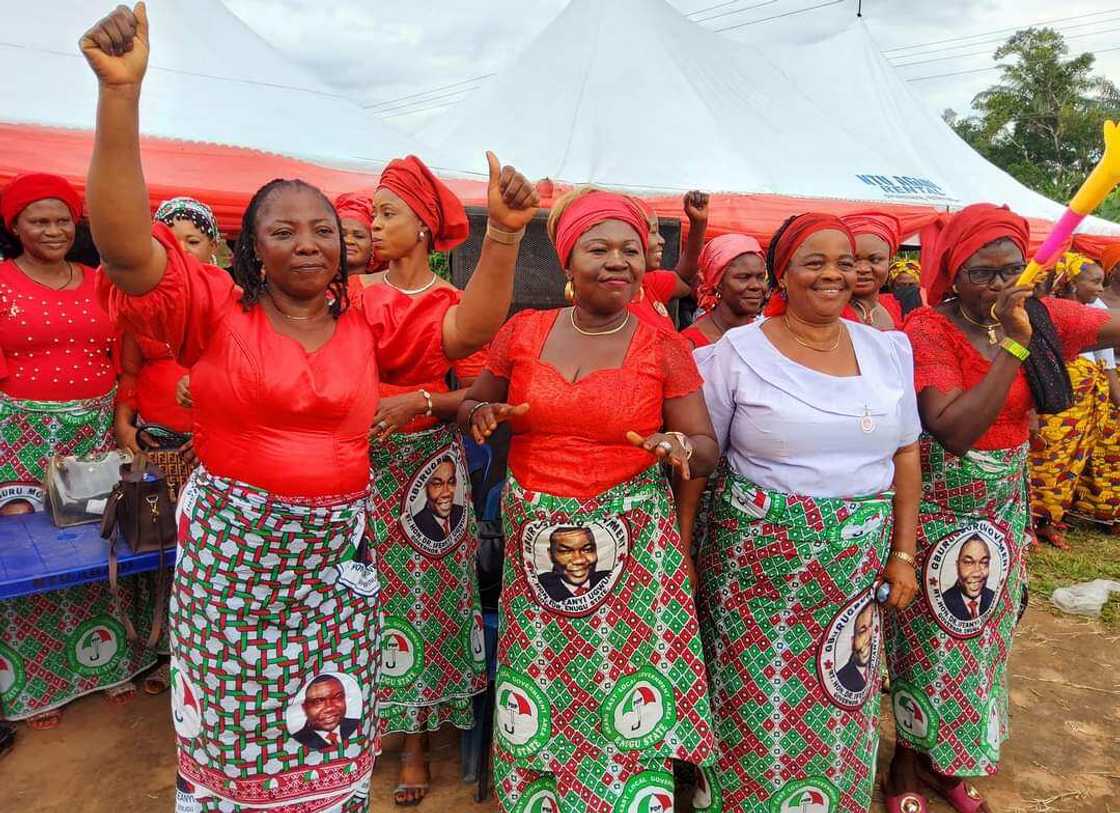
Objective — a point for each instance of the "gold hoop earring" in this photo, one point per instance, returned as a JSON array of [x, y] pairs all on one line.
[[569, 292]]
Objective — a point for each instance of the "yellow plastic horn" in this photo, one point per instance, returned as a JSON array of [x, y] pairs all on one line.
[[1100, 183]]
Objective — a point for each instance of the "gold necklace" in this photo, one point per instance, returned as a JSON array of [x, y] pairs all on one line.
[[991, 328], [289, 316], [410, 291], [63, 287], [807, 345], [608, 332]]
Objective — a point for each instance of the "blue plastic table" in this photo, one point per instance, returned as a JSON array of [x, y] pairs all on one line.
[[36, 557]]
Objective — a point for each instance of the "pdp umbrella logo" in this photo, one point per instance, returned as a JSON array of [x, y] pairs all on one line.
[[640, 709], [707, 797], [12, 676], [992, 730], [753, 501], [813, 795], [95, 646], [914, 716], [476, 639], [522, 717], [402, 652], [186, 705], [539, 797], [648, 792]]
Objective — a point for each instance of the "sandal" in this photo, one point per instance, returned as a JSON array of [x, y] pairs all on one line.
[[964, 797], [400, 790], [1053, 533], [905, 802], [158, 680], [120, 694], [406, 788], [44, 721]]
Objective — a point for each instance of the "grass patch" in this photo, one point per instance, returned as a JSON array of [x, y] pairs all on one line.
[[1094, 556]]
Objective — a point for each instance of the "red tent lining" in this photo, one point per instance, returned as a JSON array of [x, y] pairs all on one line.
[[225, 178]]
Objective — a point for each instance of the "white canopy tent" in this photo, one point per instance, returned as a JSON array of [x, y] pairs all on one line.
[[758, 111], [211, 79]]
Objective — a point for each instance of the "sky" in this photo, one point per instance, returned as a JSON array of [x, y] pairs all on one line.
[[410, 61]]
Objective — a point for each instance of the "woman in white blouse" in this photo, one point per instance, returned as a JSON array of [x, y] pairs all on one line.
[[816, 512]]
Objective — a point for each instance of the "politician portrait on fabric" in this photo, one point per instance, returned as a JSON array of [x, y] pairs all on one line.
[[440, 514], [971, 597], [575, 555], [326, 713]]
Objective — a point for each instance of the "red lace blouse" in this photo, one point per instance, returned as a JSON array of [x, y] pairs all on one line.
[[54, 345], [945, 360], [267, 411], [572, 441]]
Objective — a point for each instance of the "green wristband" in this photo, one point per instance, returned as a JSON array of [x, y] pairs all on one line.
[[1015, 349]]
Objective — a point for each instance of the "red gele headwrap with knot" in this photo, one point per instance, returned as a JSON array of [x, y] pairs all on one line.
[[968, 231], [355, 206], [884, 226], [592, 209], [429, 198], [800, 229]]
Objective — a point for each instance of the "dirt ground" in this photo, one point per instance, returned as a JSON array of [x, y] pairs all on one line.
[[1064, 752]]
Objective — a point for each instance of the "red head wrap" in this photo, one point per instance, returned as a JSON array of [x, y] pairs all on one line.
[[27, 189], [355, 206], [968, 231], [1110, 257], [592, 209], [429, 199], [714, 259], [885, 227], [796, 232]]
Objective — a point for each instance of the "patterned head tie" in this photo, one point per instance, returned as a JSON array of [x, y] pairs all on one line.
[[195, 211]]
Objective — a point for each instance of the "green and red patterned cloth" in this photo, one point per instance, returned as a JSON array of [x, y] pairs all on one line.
[[948, 651], [601, 678], [433, 657], [791, 631], [274, 616], [60, 645]]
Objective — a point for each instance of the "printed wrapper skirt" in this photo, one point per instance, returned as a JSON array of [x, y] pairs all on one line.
[[601, 679], [433, 656], [792, 637], [57, 646], [274, 642], [1098, 490], [948, 651], [1071, 437]]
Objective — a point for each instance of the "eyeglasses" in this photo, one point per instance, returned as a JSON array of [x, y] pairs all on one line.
[[983, 275]]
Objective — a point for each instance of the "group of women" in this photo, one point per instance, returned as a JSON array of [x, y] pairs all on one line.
[[846, 492]]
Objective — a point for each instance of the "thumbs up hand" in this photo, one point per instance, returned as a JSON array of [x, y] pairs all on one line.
[[511, 199]]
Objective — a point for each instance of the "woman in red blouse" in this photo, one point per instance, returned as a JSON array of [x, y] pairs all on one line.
[[877, 241], [419, 479], [600, 667], [57, 385], [149, 372], [660, 286], [985, 354], [274, 610], [732, 289]]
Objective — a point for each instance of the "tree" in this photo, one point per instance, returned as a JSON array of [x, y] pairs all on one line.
[[1042, 121]]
